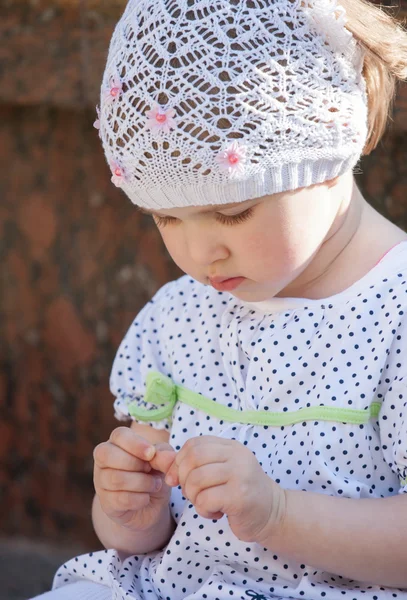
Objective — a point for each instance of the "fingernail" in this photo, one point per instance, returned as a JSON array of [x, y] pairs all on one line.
[[170, 480], [158, 482], [149, 452]]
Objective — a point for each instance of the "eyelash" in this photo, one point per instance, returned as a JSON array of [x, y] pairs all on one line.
[[224, 219]]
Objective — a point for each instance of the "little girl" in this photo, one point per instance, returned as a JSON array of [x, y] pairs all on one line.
[[267, 457]]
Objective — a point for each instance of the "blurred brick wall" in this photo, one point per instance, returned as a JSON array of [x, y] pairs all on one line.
[[77, 260], [78, 264]]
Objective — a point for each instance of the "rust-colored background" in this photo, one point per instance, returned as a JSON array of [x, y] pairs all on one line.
[[78, 261]]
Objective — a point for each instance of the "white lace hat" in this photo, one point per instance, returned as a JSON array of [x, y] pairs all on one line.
[[219, 101]]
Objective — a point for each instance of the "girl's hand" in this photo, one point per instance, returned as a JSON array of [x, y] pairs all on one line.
[[221, 476], [129, 480]]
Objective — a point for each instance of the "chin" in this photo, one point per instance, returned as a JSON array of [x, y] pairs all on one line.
[[253, 296], [260, 294]]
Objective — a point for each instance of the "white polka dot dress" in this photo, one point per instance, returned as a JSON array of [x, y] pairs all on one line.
[[344, 354]]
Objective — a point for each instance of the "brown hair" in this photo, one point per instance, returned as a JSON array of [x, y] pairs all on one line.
[[385, 41]]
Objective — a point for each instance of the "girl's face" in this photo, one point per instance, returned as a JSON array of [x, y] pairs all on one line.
[[267, 242]]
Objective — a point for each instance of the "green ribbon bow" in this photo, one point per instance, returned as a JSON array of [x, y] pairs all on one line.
[[160, 390]]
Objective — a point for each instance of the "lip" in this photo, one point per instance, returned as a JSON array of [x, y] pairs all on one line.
[[223, 284]]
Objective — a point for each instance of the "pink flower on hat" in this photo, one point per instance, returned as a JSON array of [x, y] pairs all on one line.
[[117, 174], [113, 90], [96, 123], [160, 119], [233, 159]]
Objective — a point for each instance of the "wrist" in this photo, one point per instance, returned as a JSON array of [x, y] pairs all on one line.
[[277, 514], [128, 541], [159, 522]]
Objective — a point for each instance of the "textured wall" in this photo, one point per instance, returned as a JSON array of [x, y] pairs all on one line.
[[78, 261]]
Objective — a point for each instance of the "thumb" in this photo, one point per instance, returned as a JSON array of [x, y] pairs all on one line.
[[163, 458]]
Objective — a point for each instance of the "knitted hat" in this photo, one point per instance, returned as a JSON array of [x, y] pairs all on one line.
[[220, 101]]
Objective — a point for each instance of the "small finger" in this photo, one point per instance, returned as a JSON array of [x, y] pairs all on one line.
[[108, 455], [116, 503], [209, 503], [192, 457], [164, 457], [207, 476], [115, 480], [134, 444]]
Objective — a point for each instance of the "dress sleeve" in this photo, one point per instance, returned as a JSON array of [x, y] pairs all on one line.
[[142, 350], [393, 430]]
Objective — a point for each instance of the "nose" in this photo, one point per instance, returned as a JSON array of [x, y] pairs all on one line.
[[204, 244]]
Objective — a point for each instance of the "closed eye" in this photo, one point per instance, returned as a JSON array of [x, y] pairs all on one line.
[[162, 221], [235, 219]]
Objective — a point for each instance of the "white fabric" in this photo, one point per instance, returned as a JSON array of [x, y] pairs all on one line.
[[277, 84], [345, 351], [82, 590]]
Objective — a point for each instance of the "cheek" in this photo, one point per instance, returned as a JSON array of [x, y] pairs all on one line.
[[270, 255], [306, 226], [175, 245], [287, 235]]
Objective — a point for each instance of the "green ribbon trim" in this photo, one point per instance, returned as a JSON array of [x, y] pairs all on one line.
[[163, 391]]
